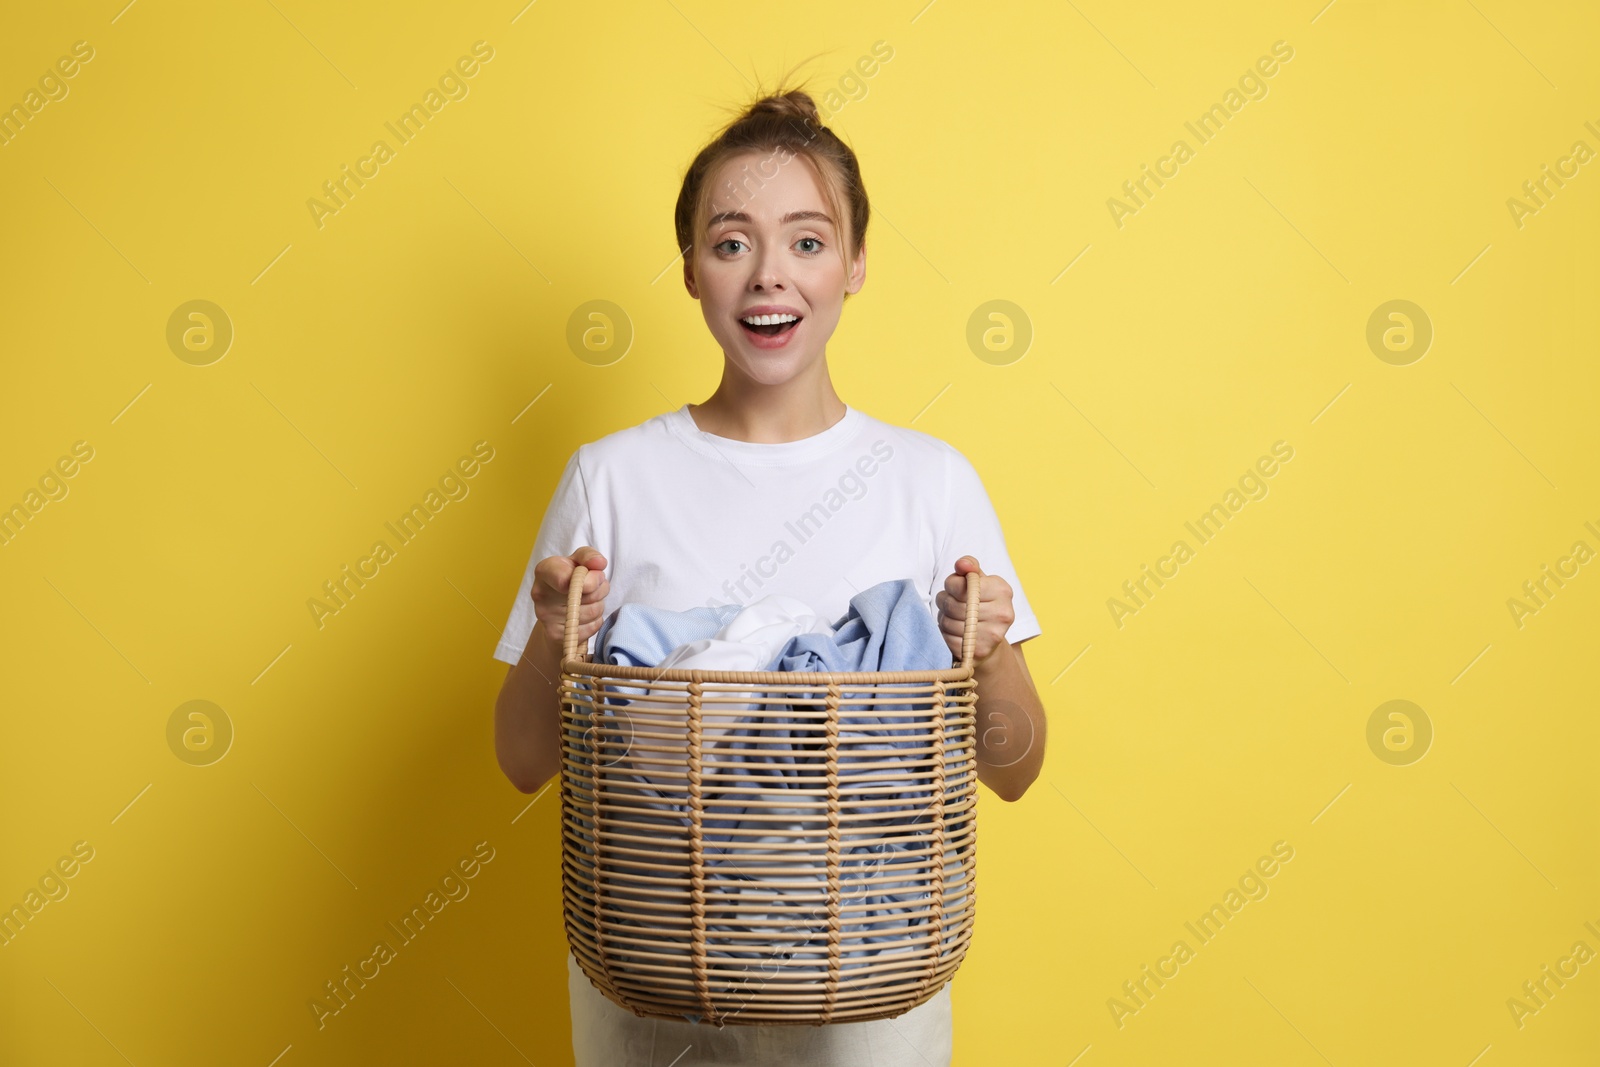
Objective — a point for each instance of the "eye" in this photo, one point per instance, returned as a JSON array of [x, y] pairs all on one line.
[[729, 241], [814, 240]]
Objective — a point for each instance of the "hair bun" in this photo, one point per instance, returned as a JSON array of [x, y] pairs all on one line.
[[796, 103]]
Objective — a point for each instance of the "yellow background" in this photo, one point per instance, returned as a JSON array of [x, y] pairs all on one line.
[[1229, 313]]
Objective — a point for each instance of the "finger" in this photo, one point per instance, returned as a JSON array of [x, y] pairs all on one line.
[[553, 592], [553, 574], [590, 557], [595, 583], [598, 590], [991, 587], [956, 583], [956, 586], [589, 622], [553, 605], [590, 627], [957, 624], [994, 587]]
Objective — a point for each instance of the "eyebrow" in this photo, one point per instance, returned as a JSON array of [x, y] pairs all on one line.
[[793, 216]]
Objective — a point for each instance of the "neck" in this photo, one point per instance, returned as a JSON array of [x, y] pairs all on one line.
[[742, 410]]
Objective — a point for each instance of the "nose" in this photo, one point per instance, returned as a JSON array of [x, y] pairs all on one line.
[[766, 275]]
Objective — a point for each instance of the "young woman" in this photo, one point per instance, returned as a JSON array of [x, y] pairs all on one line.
[[773, 485]]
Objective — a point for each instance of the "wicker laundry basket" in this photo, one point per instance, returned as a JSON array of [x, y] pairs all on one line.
[[846, 895]]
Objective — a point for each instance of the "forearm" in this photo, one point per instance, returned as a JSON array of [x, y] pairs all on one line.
[[527, 715], [1011, 724]]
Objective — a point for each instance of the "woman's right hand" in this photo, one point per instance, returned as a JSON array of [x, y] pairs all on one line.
[[527, 713], [552, 578]]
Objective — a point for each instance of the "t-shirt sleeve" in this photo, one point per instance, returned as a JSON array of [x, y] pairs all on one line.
[[974, 530], [566, 526]]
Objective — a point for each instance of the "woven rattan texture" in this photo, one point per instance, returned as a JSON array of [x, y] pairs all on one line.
[[768, 848]]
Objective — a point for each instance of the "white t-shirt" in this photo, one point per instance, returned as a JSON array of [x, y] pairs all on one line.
[[686, 519]]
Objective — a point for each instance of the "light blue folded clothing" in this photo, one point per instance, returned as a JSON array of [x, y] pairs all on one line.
[[638, 635], [888, 627]]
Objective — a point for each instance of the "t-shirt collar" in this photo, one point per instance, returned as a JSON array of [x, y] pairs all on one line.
[[778, 453]]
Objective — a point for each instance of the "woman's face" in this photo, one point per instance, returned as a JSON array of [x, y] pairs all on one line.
[[770, 244]]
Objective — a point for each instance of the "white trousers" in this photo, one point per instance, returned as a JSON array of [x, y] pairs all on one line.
[[605, 1034]]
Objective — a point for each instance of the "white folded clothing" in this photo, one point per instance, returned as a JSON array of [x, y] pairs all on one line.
[[750, 641], [753, 638]]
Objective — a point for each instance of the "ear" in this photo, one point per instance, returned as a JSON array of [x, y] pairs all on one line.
[[688, 274], [858, 271]]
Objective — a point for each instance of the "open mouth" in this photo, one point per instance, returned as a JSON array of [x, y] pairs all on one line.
[[770, 325]]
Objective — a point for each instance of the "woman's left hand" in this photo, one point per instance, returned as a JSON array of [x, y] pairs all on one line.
[[995, 613]]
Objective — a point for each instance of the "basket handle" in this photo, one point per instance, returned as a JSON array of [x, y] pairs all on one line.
[[569, 636], [569, 639], [969, 636]]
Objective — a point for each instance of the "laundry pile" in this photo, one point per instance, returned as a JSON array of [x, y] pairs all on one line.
[[758, 744]]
